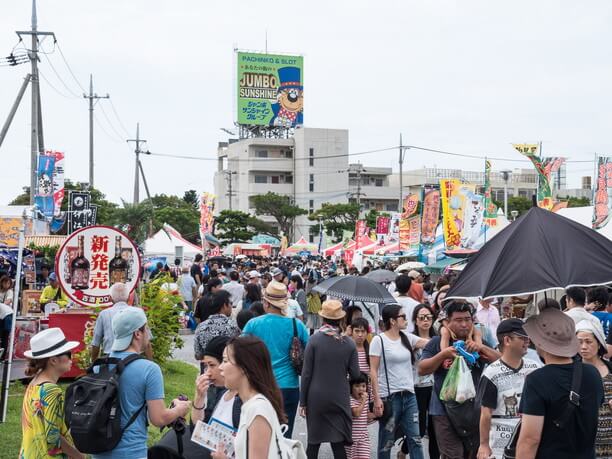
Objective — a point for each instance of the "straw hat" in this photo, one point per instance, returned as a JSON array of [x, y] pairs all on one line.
[[332, 310], [554, 332], [276, 294], [49, 343]]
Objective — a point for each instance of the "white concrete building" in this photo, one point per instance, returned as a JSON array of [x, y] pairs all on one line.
[[311, 168]]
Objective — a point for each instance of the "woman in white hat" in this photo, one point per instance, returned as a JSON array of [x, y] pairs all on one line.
[[45, 434], [592, 349]]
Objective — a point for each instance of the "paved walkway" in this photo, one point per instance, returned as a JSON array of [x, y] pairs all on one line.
[[186, 355]]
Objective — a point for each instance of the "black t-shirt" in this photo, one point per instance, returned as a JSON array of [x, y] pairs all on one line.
[[546, 393], [196, 270]]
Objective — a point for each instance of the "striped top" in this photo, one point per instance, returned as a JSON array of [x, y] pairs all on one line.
[[603, 440], [360, 423]]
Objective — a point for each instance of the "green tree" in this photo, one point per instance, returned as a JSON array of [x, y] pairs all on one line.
[[236, 226], [135, 220], [517, 203], [191, 197], [575, 202], [281, 208], [336, 218], [177, 212]]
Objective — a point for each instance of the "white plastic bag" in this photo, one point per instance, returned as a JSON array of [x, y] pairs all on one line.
[[465, 386]]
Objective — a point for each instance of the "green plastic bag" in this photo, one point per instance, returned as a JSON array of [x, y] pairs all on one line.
[[448, 393]]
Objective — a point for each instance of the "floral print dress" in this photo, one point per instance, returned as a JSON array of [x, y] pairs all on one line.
[[42, 422]]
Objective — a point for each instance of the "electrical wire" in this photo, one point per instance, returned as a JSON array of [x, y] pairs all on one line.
[[109, 122], [40, 72], [72, 93], [118, 118], [59, 48], [105, 131]]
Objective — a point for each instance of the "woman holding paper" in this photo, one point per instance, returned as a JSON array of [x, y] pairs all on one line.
[[247, 368]]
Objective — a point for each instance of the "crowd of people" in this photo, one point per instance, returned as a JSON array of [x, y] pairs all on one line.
[[271, 349]]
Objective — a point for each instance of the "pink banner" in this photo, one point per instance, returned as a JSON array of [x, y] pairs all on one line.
[[382, 225]]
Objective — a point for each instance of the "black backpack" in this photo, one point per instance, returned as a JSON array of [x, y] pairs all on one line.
[[93, 410]]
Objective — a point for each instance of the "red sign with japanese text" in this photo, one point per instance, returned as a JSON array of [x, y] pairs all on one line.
[[94, 258]]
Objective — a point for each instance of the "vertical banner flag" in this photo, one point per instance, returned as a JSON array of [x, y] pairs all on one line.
[[473, 216], [431, 215], [81, 213], [490, 209], [360, 230], [603, 193], [44, 185], [410, 223], [207, 208], [382, 228], [58, 181], [545, 168], [455, 198]]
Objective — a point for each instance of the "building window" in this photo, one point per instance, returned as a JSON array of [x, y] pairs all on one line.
[[378, 182], [311, 207], [275, 179], [379, 206], [262, 154], [311, 187], [288, 178], [311, 157], [391, 207], [261, 179], [288, 153]]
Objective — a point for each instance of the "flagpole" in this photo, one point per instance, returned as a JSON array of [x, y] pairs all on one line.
[[486, 201]]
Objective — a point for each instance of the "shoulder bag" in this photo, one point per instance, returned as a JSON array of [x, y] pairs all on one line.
[[296, 351], [572, 404], [387, 404]]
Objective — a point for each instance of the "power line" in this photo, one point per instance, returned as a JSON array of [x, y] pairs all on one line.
[[74, 95], [109, 122], [53, 87], [59, 48], [118, 118], [105, 131]]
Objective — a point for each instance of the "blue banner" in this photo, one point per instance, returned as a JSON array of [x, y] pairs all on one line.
[[44, 185]]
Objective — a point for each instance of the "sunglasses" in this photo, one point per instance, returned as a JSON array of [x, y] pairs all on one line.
[[427, 317], [403, 316]]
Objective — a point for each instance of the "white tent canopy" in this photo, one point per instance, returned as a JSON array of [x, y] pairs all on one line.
[[584, 216], [165, 243]]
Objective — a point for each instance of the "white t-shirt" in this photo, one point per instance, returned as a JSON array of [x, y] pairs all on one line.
[[399, 363], [224, 410], [578, 313], [256, 406], [294, 310], [408, 304], [186, 285], [236, 292], [500, 389]]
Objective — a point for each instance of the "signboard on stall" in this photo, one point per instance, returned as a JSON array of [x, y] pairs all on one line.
[[94, 258]]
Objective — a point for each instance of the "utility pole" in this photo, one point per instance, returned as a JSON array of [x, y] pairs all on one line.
[[229, 193], [9, 119], [402, 153], [93, 99], [138, 141], [360, 170], [36, 144]]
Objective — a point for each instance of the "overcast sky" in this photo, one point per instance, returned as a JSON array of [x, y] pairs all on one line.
[[465, 76]]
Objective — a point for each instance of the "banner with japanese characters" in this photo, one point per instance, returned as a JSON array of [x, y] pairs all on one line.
[[360, 230], [81, 213], [58, 182], [94, 258], [431, 215], [602, 199], [207, 219], [382, 225], [43, 197], [455, 199]]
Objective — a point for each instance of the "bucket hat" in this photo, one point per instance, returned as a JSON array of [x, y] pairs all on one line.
[[554, 332], [332, 310], [276, 294]]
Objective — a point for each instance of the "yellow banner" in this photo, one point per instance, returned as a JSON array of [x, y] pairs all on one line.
[[526, 148], [454, 196]]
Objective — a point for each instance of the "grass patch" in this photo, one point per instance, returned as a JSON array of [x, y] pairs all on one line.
[[179, 378]]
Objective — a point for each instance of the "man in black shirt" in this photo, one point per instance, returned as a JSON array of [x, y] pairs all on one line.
[[545, 432], [196, 269]]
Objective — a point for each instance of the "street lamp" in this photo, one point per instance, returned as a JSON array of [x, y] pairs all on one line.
[[514, 214], [505, 177]]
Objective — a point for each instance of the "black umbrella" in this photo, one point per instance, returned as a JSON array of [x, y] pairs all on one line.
[[381, 276], [540, 251], [355, 288]]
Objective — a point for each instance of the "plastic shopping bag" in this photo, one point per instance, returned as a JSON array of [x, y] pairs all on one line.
[[465, 386], [451, 381]]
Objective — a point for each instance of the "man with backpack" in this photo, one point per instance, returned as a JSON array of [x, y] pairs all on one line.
[[141, 388]]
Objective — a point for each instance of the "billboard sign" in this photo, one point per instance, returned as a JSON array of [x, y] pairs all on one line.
[[94, 258], [270, 90]]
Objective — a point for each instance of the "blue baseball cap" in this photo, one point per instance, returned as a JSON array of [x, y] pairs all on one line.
[[53, 277], [125, 323]]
